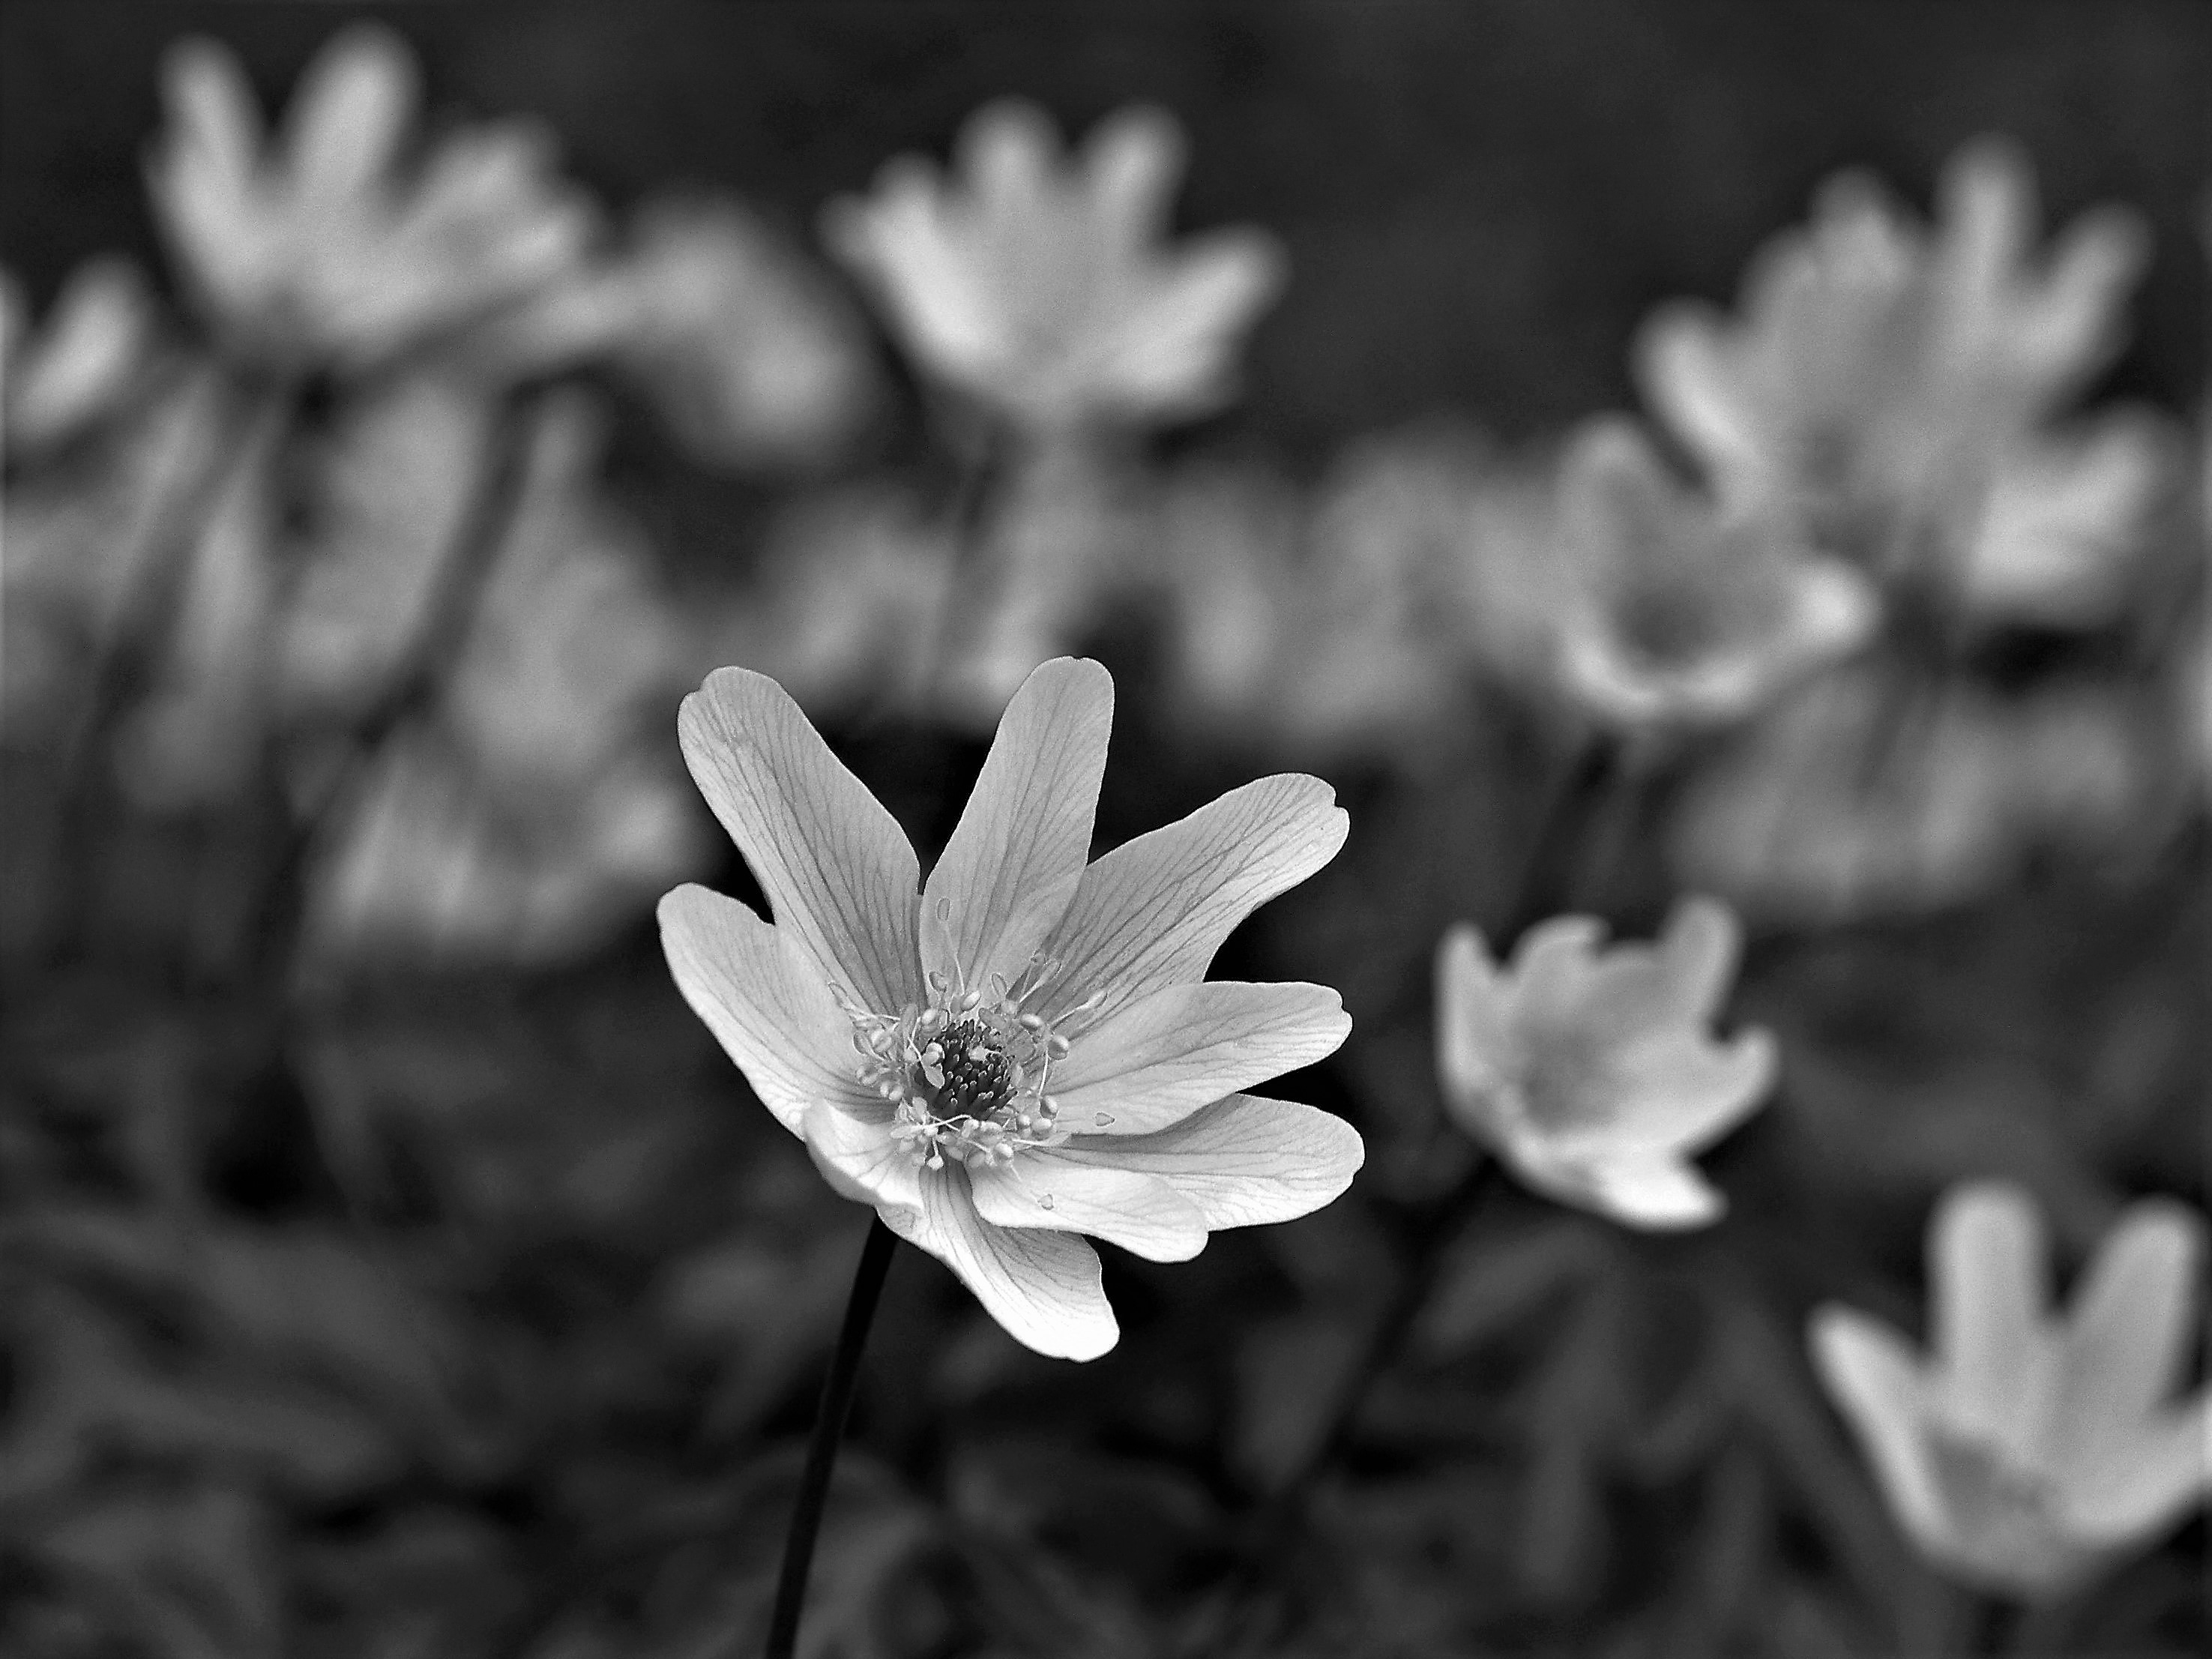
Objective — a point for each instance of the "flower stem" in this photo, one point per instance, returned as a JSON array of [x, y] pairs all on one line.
[[828, 1430]]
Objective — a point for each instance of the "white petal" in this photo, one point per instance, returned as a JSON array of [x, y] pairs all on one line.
[[834, 865], [1152, 912], [1878, 1384], [1994, 1351], [1479, 1059], [1140, 1212], [1042, 1286], [1161, 1059], [1551, 969], [1174, 353], [764, 999], [2126, 1343], [1699, 953], [1674, 1092], [1131, 162], [1013, 862], [851, 1146], [2139, 1486], [1659, 1194], [1243, 1161], [348, 114]]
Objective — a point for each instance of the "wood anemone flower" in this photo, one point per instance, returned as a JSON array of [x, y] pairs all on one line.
[[1591, 1070], [319, 247], [2031, 1449], [1042, 288], [1023, 1048]]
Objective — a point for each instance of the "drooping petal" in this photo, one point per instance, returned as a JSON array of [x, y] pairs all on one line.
[[1244, 1161], [852, 1146], [2137, 1487], [1478, 1055], [1014, 860], [1995, 1351], [834, 865], [1652, 1192], [1876, 1380], [1043, 1287], [1041, 1188], [1187, 1046], [2127, 1341], [1152, 912], [761, 997]]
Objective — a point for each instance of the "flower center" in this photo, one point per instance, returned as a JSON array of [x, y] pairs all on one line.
[[966, 1075]]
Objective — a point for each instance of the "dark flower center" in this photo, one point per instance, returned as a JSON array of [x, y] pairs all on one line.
[[979, 1078]]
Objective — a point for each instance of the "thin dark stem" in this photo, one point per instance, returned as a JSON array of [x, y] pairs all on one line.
[[829, 1431]]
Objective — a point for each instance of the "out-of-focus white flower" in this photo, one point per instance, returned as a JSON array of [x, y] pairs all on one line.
[[1592, 1069], [82, 364], [1042, 288], [1683, 609], [2031, 1450], [1862, 796], [1024, 1048], [570, 641], [319, 248], [527, 818], [438, 862], [1889, 383], [1316, 624], [395, 484], [751, 356]]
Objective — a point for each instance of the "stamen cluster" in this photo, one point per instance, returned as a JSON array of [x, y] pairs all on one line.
[[966, 1075]]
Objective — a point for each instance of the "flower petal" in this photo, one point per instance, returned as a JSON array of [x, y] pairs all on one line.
[[1152, 912], [1187, 1046], [851, 1146], [834, 863], [2138, 1486], [1988, 1326], [1041, 1188], [1244, 1161], [1551, 969], [1652, 1193], [759, 994], [348, 114], [1880, 1386], [1675, 1093], [1013, 862], [2127, 1340], [1479, 1059], [1042, 1286], [1697, 954]]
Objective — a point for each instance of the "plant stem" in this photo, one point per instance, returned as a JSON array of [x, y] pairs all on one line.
[[829, 1431]]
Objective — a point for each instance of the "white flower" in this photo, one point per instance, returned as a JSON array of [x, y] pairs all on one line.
[[1591, 1071], [1683, 609], [1021, 1049], [316, 248], [1892, 382], [2031, 1449], [1040, 288]]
